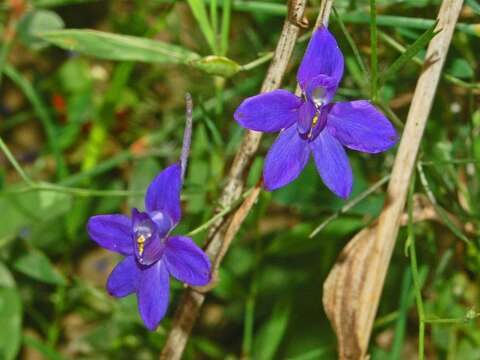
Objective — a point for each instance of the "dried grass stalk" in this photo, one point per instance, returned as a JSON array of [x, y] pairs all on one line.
[[353, 288]]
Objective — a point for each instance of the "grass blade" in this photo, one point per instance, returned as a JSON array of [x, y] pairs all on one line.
[[200, 13], [410, 52], [43, 114], [109, 46], [373, 51], [225, 29]]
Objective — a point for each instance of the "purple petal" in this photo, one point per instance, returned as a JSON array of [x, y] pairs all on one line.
[[124, 278], [358, 125], [268, 112], [163, 194], [332, 164], [186, 261], [322, 57], [306, 114], [321, 89], [153, 294], [113, 232], [285, 160]]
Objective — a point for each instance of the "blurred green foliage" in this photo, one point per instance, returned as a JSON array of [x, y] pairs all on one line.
[[93, 120]]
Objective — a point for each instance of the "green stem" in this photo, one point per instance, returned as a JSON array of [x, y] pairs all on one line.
[[220, 214], [226, 14], [401, 49], [414, 269], [214, 16], [18, 168], [373, 50], [349, 205], [352, 44], [80, 192], [43, 114], [257, 62]]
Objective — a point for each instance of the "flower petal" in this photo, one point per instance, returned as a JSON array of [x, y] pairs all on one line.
[[186, 261], [321, 89], [332, 164], [113, 232], [268, 112], [124, 278], [285, 160], [153, 294], [322, 57], [306, 114], [163, 194], [358, 125]]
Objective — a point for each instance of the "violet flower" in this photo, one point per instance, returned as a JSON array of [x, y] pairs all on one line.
[[151, 254], [313, 124]]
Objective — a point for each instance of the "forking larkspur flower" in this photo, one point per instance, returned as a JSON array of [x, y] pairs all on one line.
[[312, 124], [152, 255]]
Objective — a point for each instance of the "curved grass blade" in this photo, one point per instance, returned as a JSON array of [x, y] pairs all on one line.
[[410, 52], [110, 46]]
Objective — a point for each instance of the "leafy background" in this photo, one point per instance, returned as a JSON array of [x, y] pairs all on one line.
[[91, 117]]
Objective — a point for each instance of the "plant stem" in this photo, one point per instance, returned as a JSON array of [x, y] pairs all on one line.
[[18, 168], [414, 269], [373, 51], [349, 205]]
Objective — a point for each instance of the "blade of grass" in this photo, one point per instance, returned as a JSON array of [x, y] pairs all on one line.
[[43, 114], [200, 14], [104, 45], [352, 44], [405, 22], [400, 326], [225, 29], [440, 211], [410, 52], [414, 269], [450, 78], [214, 16], [373, 51], [349, 205]]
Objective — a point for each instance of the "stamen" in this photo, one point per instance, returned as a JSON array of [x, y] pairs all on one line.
[[314, 122], [141, 244]]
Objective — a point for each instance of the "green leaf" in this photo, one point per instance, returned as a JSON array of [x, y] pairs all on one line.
[[200, 14], [217, 65], [35, 22], [11, 321], [6, 278], [36, 265], [109, 46], [461, 68], [31, 208], [270, 335], [410, 52]]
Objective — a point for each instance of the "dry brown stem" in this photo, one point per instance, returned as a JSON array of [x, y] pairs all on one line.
[[353, 288], [221, 233]]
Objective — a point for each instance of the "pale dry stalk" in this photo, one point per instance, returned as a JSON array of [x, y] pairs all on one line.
[[353, 288], [222, 232]]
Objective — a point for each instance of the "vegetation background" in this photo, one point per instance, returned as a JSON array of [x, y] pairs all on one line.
[[88, 119]]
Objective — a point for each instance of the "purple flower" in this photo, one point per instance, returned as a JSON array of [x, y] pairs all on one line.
[[313, 124], [151, 254]]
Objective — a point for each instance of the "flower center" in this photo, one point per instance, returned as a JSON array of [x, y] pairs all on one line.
[[149, 234]]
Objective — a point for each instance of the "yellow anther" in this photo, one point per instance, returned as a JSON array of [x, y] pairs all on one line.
[[314, 122], [141, 244]]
